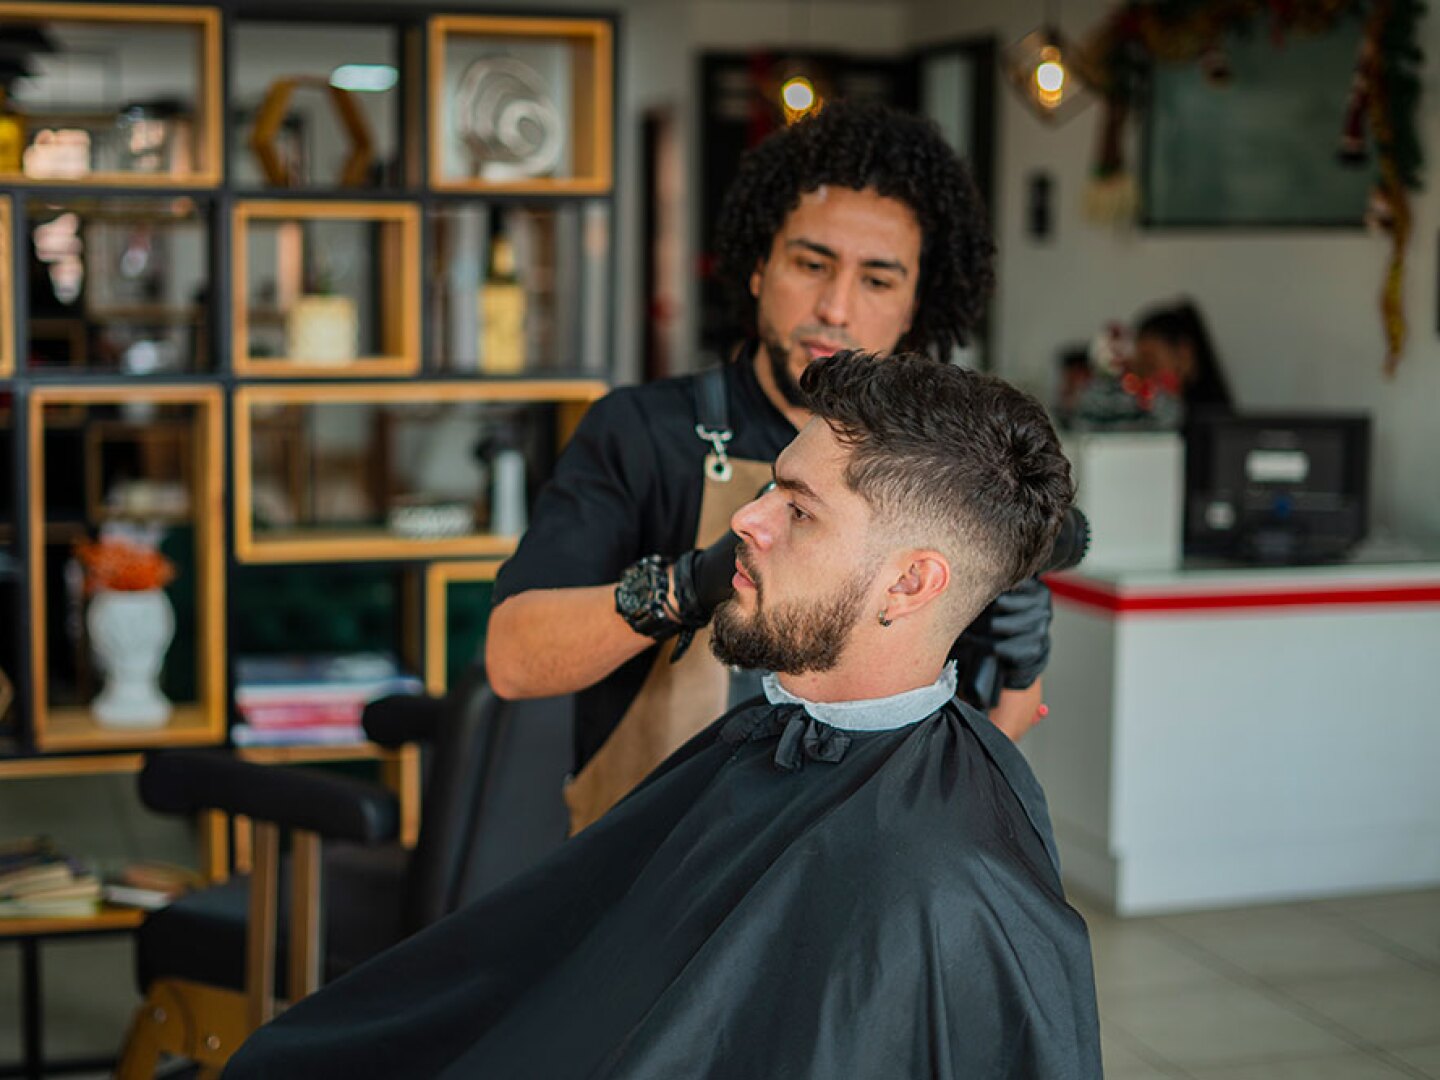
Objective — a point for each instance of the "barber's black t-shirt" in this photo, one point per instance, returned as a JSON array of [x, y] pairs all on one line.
[[629, 484]]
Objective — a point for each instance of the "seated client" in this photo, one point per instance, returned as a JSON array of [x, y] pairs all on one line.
[[851, 877]]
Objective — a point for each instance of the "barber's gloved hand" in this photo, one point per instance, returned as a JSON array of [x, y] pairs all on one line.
[[1007, 645], [702, 580]]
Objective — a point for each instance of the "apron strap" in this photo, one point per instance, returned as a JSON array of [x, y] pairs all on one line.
[[712, 412]]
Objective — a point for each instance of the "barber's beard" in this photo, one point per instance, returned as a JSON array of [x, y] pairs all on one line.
[[795, 636], [778, 357], [778, 353]]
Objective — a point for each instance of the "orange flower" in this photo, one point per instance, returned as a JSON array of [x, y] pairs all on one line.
[[123, 566]]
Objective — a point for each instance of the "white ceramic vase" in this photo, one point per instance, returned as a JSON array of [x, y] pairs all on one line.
[[129, 634]]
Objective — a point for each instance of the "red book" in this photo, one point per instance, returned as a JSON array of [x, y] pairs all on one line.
[[302, 713]]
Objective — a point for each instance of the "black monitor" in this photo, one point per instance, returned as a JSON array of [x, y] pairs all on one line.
[[1277, 488]]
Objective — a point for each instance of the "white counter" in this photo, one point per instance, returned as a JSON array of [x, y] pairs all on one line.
[[1228, 735]]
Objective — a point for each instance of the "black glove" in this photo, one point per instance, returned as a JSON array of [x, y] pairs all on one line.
[[702, 580], [1006, 646]]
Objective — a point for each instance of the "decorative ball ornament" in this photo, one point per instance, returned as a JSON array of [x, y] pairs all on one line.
[[507, 120]]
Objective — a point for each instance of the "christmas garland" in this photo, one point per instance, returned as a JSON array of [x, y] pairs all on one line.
[[1384, 96]]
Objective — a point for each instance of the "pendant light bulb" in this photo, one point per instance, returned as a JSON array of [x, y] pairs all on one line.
[[798, 94], [1038, 68]]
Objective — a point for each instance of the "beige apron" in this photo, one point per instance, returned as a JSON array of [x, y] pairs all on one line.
[[676, 700]]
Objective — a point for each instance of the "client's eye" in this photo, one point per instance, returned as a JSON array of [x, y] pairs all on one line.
[[797, 513]]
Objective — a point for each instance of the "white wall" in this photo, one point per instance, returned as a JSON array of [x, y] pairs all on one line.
[[850, 25], [1294, 313]]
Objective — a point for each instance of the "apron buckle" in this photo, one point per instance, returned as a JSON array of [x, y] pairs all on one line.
[[717, 465]]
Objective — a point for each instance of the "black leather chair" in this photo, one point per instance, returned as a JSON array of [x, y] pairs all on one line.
[[212, 964]]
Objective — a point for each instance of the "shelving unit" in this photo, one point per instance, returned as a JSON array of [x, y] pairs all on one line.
[[150, 312]]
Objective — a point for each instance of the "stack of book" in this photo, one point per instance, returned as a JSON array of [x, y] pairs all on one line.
[[150, 885], [309, 700], [38, 882]]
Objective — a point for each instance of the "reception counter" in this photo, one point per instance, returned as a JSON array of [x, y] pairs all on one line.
[[1222, 735]]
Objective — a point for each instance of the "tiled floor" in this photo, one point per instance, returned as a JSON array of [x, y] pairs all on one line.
[[1330, 990]]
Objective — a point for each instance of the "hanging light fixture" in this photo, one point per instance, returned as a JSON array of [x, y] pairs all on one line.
[[1041, 67], [799, 95]]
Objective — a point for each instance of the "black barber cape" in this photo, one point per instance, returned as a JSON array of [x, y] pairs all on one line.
[[780, 898]]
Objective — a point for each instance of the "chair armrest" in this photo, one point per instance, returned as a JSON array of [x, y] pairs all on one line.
[[336, 807], [398, 719], [393, 721]]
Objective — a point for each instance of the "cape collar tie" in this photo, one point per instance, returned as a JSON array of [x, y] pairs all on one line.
[[817, 730]]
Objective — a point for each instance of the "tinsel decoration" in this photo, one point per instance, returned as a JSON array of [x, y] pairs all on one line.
[[1384, 98], [1351, 150]]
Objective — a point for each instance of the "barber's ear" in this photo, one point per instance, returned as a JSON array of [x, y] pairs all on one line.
[[925, 577]]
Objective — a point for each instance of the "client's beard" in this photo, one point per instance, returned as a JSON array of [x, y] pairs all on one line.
[[794, 637]]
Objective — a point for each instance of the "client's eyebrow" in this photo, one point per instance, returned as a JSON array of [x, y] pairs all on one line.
[[799, 487]]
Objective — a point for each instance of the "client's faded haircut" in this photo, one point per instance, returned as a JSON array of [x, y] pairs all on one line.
[[948, 458]]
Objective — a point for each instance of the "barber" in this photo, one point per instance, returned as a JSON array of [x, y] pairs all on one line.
[[859, 228]]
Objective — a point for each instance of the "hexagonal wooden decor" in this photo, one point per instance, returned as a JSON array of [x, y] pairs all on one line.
[[272, 115]]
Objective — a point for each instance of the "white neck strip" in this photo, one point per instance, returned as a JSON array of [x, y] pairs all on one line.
[[873, 714]]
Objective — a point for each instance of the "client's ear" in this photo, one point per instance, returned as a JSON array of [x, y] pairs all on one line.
[[924, 577]]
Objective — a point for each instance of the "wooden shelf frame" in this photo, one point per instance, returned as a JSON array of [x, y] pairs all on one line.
[[209, 86], [590, 116], [571, 397], [7, 299], [42, 768], [198, 723], [109, 917], [398, 256], [439, 576]]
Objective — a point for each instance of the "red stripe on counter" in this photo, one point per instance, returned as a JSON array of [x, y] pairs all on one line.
[[1107, 599]]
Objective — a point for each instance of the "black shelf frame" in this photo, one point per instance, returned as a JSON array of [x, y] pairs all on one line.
[[412, 123]]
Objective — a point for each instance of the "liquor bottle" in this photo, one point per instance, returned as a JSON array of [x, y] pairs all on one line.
[[502, 314]]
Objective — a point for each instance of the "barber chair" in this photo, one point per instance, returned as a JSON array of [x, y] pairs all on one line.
[[212, 964]]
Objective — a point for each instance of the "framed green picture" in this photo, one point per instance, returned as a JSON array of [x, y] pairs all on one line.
[[1258, 149]]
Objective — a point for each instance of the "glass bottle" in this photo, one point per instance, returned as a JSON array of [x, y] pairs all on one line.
[[12, 135], [502, 314]]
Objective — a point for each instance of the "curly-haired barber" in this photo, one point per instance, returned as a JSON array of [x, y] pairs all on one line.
[[859, 228]]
